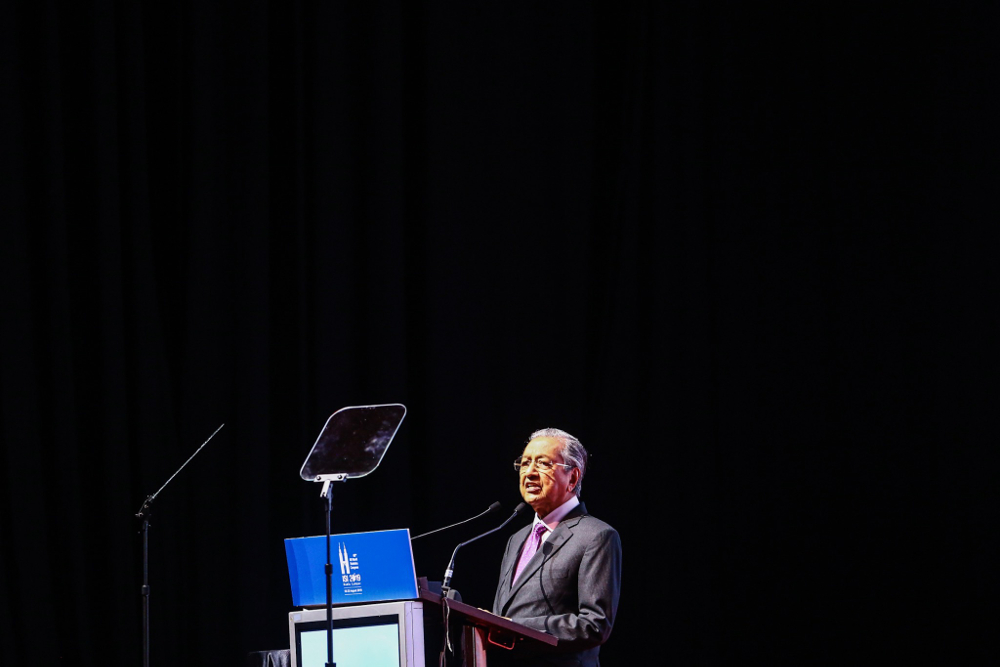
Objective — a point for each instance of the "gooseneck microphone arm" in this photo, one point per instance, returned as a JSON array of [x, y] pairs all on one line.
[[492, 508], [445, 583], [447, 593]]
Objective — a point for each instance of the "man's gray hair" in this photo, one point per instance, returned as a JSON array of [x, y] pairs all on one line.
[[573, 452]]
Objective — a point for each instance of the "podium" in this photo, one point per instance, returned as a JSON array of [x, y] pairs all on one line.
[[482, 630], [407, 633]]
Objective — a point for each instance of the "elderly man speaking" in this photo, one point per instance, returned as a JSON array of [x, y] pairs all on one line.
[[562, 573]]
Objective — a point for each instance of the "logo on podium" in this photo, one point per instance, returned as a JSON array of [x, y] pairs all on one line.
[[350, 570]]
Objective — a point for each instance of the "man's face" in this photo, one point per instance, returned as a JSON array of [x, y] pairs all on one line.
[[545, 491]]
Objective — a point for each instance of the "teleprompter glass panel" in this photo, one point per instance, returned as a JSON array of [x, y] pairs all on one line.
[[353, 441]]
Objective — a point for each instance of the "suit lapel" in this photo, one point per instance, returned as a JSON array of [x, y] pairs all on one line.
[[510, 560], [555, 541]]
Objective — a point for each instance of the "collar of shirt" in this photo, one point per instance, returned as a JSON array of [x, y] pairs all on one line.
[[553, 518]]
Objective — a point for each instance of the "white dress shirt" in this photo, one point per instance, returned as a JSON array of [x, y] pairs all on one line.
[[553, 518]]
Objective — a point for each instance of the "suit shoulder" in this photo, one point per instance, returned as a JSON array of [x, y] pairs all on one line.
[[594, 526]]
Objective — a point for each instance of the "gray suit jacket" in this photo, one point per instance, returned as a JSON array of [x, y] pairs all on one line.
[[569, 588]]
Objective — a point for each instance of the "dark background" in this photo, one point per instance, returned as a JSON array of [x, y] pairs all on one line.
[[744, 254]]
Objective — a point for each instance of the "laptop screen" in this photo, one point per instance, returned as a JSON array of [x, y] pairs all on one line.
[[368, 567]]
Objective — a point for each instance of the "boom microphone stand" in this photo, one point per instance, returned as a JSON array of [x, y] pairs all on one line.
[[144, 514]]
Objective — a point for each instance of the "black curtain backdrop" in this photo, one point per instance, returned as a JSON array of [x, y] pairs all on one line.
[[743, 253]]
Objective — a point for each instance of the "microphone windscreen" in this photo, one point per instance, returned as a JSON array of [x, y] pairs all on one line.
[[494, 507], [520, 508]]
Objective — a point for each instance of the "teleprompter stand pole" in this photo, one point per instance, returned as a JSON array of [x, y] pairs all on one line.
[[327, 495], [144, 514]]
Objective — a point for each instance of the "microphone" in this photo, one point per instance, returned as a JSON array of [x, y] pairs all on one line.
[[451, 564], [492, 508]]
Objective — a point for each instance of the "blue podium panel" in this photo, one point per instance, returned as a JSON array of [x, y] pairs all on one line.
[[367, 567]]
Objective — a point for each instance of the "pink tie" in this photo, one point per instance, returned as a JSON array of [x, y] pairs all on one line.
[[530, 547]]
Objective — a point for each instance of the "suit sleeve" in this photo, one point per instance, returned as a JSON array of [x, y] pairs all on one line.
[[598, 586]]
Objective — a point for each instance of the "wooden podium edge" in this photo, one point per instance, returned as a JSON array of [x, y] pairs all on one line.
[[487, 620]]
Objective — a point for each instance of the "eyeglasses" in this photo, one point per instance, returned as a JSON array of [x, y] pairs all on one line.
[[522, 465]]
